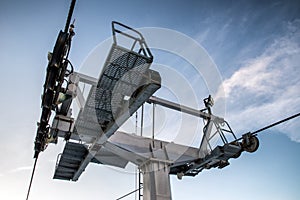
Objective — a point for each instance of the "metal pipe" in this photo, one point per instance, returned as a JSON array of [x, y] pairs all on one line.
[[178, 107]]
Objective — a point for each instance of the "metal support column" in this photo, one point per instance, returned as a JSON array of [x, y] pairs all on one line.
[[156, 180]]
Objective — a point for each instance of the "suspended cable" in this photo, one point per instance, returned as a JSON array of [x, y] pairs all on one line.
[[35, 161], [276, 123], [139, 176], [136, 122], [271, 125], [153, 121], [71, 9], [128, 194], [142, 120], [137, 169]]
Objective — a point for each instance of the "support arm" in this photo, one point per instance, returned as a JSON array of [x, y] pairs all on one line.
[[178, 107]]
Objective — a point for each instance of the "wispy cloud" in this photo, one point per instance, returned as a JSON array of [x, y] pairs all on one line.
[[251, 76], [267, 88], [20, 169]]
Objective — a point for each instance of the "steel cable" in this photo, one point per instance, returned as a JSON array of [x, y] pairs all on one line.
[[35, 161]]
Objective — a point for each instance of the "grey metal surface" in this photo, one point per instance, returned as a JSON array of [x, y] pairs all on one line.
[[217, 158], [179, 107], [70, 160], [156, 180], [121, 76], [106, 157], [147, 148]]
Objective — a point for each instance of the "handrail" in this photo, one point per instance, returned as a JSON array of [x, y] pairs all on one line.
[[143, 46]]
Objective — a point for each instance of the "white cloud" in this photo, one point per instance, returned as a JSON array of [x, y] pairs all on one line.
[[267, 88], [251, 76], [20, 169]]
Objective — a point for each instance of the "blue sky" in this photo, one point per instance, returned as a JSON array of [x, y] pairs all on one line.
[[254, 44]]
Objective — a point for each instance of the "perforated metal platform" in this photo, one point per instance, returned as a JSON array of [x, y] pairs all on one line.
[[70, 161], [126, 82], [122, 76]]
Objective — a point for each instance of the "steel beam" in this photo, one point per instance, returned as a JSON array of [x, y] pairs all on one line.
[[179, 107]]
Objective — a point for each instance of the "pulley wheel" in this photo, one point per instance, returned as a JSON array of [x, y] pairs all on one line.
[[252, 146]]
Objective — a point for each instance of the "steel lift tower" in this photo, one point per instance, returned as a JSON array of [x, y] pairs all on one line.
[[124, 85]]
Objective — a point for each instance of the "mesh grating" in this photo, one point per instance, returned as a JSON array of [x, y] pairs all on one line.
[[111, 100], [121, 76]]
